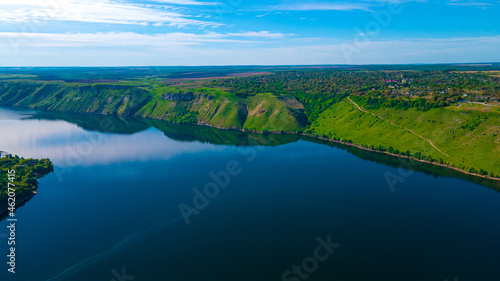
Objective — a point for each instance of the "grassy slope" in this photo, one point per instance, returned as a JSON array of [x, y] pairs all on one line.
[[470, 138], [218, 108], [344, 121], [267, 112], [478, 148]]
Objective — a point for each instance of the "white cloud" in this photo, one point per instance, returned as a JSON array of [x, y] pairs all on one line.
[[469, 4], [263, 34], [417, 50], [94, 11], [323, 7], [129, 39], [361, 5], [185, 2]]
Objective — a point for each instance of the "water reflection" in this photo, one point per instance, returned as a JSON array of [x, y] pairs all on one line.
[[410, 164], [126, 214], [70, 139], [86, 140], [69, 145], [179, 132]]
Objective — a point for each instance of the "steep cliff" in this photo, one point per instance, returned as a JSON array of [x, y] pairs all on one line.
[[204, 106]]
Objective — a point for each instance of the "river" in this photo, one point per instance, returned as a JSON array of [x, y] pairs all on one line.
[[134, 199]]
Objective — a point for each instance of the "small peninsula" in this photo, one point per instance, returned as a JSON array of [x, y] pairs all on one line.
[[23, 175]]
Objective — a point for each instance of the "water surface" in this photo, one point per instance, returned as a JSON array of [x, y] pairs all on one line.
[[113, 205]]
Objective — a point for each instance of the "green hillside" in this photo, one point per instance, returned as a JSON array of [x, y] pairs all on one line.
[[466, 139], [205, 106], [445, 117], [343, 121]]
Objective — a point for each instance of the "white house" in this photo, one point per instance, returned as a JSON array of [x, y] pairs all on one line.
[[4, 154]]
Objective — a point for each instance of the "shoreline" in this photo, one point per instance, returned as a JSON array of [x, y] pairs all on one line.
[[282, 133], [410, 158], [342, 143]]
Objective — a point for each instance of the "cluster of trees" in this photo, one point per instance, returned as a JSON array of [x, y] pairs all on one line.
[[474, 122], [319, 89], [436, 86], [27, 173], [419, 103], [181, 114]]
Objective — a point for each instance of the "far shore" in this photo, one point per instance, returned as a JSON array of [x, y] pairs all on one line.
[[320, 138]]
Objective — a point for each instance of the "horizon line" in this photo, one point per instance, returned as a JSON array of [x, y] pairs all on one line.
[[260, 65]]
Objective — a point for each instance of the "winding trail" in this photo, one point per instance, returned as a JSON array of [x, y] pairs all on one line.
[[427, 140]]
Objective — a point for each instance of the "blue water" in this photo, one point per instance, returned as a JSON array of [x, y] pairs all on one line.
[[112, 207]]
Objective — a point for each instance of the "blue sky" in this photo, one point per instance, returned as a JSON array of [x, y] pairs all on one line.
[[244, 32]]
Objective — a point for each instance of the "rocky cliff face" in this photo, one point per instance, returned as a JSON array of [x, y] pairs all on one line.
[[56, 96], [257, 113]]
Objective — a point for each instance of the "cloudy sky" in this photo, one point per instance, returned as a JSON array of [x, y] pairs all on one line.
[[247, 32]]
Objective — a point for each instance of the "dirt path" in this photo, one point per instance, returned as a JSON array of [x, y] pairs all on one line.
[[427, 140], [256, 109]]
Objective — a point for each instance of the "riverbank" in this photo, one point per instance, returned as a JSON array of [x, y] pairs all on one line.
[[357, 146], [412, 158]]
